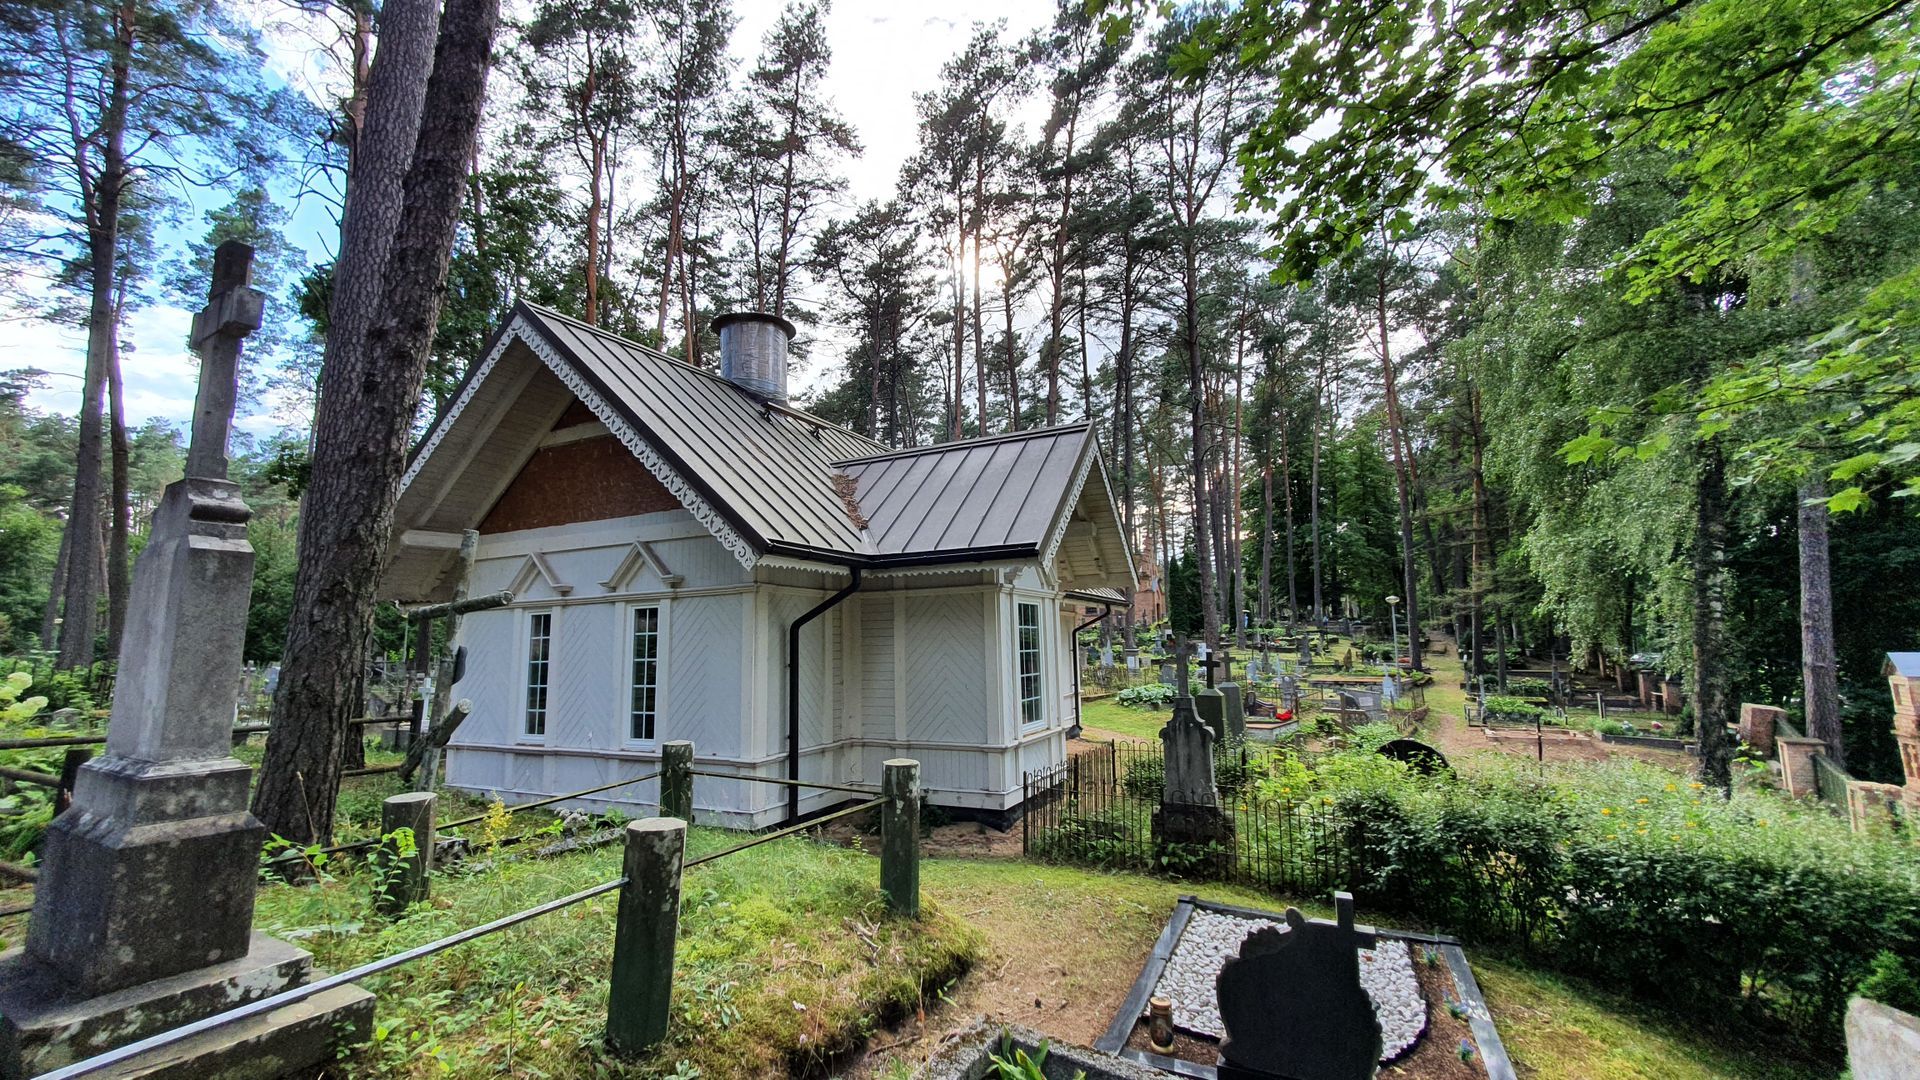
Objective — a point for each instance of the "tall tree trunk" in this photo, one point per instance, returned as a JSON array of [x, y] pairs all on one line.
[[1266, 545], [119, 573], [1197, 416], [597, 164], [1710, 704], [79, 606], [1313, 497], [50, 615], [1482, 576], [1402, 462], [1819, 671], [1286, 485], [418, 138]]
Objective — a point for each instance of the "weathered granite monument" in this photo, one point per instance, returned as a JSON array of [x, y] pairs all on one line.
[[1293, 1006], [142, 918], [1189, 810]]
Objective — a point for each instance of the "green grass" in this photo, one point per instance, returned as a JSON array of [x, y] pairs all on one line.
[[1107, 715], [1553, 1027], [1561, 1029], [786, 957]]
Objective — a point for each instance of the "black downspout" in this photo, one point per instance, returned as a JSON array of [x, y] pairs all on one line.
[[1106, 611], [793, 689]]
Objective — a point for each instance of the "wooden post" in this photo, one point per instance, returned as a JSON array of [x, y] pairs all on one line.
[[676, 780], [404, 875], [69, 775], [640, 990], [900, 836]]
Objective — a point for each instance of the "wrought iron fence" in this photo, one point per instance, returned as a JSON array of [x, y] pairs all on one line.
[[1098, 808]]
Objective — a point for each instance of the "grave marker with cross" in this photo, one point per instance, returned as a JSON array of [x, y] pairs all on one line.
[[143, 914]]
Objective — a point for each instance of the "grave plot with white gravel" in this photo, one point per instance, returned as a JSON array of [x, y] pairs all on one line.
[[1386, 972]]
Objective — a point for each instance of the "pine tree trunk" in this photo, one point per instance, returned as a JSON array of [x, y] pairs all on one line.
[[1286, 487], [119, 571], [50, 616], [1266, 546], [1402, 464], [1819, 671], [1313, 508], [367, 410], [1710, 707], [81, 600]]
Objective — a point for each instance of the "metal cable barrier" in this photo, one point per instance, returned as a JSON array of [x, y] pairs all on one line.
[[301, 993], [376, 967], [474, 819]]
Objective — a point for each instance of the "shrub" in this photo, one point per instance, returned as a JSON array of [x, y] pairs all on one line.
[[1511, 708], [1892, 982], [1147, 695], [1529, 687]]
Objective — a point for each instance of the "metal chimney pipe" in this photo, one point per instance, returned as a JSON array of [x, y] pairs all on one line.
[[753, 352]]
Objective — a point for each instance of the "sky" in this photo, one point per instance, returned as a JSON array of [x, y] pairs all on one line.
[[884, 51]]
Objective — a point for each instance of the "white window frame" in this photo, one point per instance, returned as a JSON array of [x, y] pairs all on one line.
[[1039, 673], [525, 674], [630, 613]]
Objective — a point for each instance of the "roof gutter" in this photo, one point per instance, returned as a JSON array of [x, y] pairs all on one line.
[[1106, 611], [793, 688]]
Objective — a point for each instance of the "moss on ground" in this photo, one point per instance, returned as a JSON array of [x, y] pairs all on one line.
[[786, 958]]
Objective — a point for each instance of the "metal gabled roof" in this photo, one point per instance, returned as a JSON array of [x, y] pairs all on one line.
[[764, 465], [1005, 491], [765, 477]]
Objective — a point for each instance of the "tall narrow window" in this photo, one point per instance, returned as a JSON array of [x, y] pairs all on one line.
[[646, 673], [539, 663], [1027, 661]]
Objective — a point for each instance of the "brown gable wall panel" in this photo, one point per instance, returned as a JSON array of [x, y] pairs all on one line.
[[589, 480]]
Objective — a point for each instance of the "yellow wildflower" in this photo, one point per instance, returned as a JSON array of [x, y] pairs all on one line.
[[1606, 810], [1642, 800]]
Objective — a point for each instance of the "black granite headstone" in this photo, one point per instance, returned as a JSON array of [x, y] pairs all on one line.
[[1292, 1004]]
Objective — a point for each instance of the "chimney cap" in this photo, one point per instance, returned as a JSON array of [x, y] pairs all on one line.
[[732, 317]]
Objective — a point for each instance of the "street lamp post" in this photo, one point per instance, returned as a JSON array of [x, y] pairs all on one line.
[[1393, 628]]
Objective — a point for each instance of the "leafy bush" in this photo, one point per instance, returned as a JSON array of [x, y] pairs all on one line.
[[1529, 687], [1511, 708], [1619, 871], [1370, 737], [1633, 877], [1892, 982], [1147, 695]]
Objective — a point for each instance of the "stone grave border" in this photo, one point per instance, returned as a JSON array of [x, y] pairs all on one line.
[[1486, 1038], [1657, 742]]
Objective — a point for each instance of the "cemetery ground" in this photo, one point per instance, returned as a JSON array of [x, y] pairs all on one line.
[[788, 964]]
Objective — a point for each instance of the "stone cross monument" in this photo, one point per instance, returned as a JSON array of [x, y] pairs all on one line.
[[1189, 810], [143, 914]]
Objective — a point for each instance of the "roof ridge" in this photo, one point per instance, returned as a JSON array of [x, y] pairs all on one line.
[[980, 440], [547, 312]]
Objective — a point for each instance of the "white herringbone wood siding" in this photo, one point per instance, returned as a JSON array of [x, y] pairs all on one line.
[[947, 700]]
